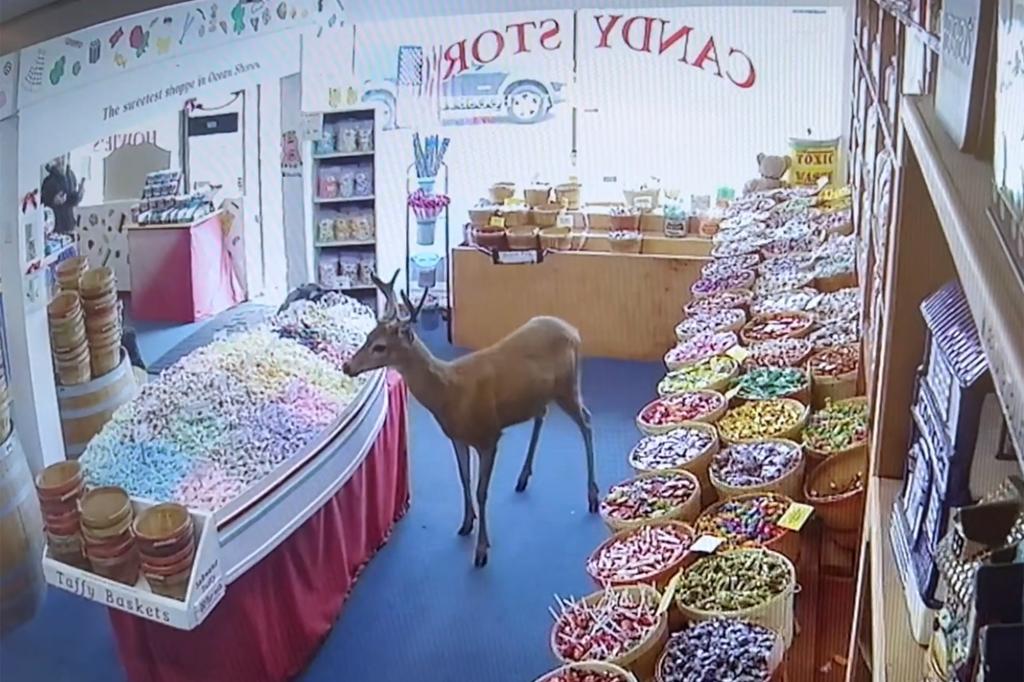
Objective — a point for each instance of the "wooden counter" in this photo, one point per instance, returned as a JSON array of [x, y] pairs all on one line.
[[625, 306]]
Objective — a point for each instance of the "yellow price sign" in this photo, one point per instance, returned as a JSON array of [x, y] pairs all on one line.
[[738, 353], [669, 593], [795, 517], [498, 221], [513, 201], [731, 393]]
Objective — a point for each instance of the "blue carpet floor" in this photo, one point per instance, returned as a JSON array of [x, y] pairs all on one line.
[[421, 611]]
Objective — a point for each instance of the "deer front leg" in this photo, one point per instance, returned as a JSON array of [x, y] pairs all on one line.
[[524, 475], [462, 457], [486, 467], [574, 407]]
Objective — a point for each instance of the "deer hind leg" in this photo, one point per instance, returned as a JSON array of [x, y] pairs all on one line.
[[468, 515], [574, 407], [524, 475], [486, 456]]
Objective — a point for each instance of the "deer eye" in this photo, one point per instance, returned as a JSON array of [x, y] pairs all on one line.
[[379, 348]]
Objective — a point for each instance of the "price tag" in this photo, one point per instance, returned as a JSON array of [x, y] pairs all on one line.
[[795, 517], [565, 220], [731, 393], [706, 544], [738, 353], [497, 221], [513, 201], [517, 257], [669, 593]]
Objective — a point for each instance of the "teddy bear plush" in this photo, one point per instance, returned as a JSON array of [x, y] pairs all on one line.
[[772, 168]]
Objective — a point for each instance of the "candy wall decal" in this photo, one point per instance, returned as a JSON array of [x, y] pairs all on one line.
[[163, 45], [76, 68], [116, 36], [238, 16], [57, 72], [94, 51]]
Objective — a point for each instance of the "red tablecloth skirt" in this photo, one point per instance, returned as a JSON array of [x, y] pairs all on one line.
[[273, 618]]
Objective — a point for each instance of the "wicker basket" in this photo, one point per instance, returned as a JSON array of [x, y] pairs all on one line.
[[844, 511], [790, 432], [490, 238], [480, 217], [748, 281], [522, 238], [800, 332], [591, 666], [698, 466], [629, 245], [641, 659], [516, 218], [709, 418], [815, 457], [787, 544], [719, 385], [556, 238], [687, 512], [775, 660], [653, 222], [833, 387], [658, 579], [599, 220], [789, 484], [500, 191], [630, 221], [545, 216], [777, 613], [801, 395], [569, 194], [538, 196], [632, 196]]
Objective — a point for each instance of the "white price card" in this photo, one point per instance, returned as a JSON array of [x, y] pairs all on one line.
[[707, 544], [517, 257]]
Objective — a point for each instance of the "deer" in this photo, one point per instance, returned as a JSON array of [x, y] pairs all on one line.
[[477, 396]]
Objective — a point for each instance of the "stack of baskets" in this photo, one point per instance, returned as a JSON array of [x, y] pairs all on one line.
[[59, 487], [107, 529], [67, 338], [166, 539], [98, 290], [85, 323]]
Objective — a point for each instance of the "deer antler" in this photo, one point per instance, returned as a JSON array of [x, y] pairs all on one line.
[[414, 311], [388, 289]]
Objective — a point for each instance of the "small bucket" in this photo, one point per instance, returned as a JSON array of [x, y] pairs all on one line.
[[104, 359], [788, 484], [425, 231], [500, 191], [687, 512], [162, 523], [105, 508], [538, 196], [425, 269], [839, 511], [658, 578], [622, 674], [569, 194], [64, 307]]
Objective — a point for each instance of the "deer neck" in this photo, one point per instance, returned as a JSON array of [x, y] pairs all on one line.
[[428, 378]]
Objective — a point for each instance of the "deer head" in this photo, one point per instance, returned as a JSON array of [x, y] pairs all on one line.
[[389, 343]]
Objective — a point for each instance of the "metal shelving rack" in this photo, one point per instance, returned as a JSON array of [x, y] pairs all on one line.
[[324, 206], [445, 266]]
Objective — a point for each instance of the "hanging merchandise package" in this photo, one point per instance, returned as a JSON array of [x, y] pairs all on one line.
[[813, 159]]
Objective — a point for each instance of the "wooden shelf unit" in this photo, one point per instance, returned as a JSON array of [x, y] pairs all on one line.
[[927, 225]]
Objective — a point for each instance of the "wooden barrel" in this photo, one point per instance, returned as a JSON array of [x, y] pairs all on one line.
[[86, 408], [21, 539]]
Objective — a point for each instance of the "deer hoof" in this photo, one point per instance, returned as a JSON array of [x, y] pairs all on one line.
[[467, 527], [521, 484], [592, 500], [481, 557]]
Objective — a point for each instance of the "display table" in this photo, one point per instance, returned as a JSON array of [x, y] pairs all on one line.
[[282, 599], [181, 272], [625, 306]]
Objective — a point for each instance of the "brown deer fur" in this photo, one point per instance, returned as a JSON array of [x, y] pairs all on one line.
[[477, 395]]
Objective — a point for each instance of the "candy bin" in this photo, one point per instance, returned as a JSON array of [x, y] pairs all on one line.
[[689, 447], [665, 414], [580, 632], [839, 427], [747, 521], [652, 496], [756, 585], [761, 466], [589, 671], [834, 373], [836, 489], [759, 419], [713, 374], [722, 649], [649, 554]]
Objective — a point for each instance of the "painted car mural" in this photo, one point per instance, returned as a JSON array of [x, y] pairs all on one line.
[[498, 95]]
